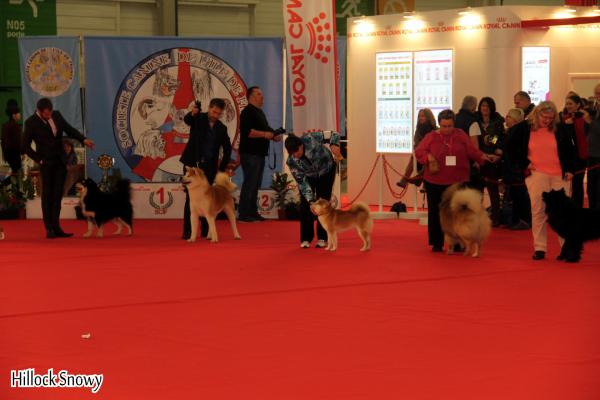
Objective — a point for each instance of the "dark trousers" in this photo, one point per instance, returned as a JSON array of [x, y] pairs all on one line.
[[53, 174], [521, 204], [593, 182], [321, 187], [13, 158], [434, 228], [494, 193], [577, 182], [210, 171], [253, 167], [491, 175]]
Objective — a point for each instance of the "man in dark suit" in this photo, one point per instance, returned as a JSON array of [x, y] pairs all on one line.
[[208, 135], [46, 127]]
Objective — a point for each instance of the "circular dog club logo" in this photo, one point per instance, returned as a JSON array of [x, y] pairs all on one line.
[[49, 71], [154, 98]]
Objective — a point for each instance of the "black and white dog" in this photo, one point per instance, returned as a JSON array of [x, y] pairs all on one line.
[[101, 207]]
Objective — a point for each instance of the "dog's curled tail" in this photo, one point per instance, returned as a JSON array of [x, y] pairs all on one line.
[[466, 199], [222, 179], [362, 208], [123, 189]]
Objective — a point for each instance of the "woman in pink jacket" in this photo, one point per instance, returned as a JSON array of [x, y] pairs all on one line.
[[450, 149]]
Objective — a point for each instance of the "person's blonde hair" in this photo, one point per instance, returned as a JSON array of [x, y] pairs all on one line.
[[428, 116], [517, 114], [544, 106]]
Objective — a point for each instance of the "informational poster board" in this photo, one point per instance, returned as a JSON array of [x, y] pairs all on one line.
[[535, 72], [394, 102], [406, 83], [433, 81]]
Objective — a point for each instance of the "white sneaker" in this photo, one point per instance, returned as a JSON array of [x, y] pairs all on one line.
[[305, 245], [321, 244]]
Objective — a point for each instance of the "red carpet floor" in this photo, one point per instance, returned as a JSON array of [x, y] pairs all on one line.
[[262, 319]]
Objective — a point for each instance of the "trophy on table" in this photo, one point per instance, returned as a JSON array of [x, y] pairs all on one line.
[[105, 162]]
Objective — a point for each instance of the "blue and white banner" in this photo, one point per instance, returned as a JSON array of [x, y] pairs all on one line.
[[139, 89], [50, 68]]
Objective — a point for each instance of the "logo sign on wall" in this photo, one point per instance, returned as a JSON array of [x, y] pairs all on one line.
[[140, 90], [50, 68], [154, 98], [49, 71], [312, 64]]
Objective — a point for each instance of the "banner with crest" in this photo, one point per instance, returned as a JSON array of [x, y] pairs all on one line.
[[139, 89], [50, 68]]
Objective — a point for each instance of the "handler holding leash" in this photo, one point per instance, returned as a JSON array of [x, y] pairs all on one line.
[[208, 135], [313, 168]]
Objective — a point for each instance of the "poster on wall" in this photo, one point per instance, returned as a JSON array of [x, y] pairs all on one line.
[[535, 73], [140, 90], [394, 102], [433, 81], [50, 68]]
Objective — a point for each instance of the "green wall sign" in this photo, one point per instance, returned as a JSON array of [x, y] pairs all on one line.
[[351, 8], [22, 18]]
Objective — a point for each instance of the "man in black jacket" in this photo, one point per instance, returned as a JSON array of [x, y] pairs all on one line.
[[46, 127], [255, 136], [208, 135]]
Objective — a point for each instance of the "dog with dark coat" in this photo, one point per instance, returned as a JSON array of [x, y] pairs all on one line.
[[575, 224], [101, 207]]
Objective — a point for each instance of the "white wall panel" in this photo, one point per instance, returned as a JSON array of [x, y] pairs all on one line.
[[105, 17]]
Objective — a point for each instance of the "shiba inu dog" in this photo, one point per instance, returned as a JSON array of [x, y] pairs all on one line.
[[208, 201], [334, 221]]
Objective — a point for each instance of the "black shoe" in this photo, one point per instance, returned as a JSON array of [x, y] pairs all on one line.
[[258, 217], [539, 255], [185, 237], [62, 234], [437, 249], [50, 234]]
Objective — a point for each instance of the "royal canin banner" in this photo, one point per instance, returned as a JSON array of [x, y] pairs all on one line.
[[312, 64]]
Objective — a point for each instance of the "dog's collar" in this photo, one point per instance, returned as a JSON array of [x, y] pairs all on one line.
[[318, 214]]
